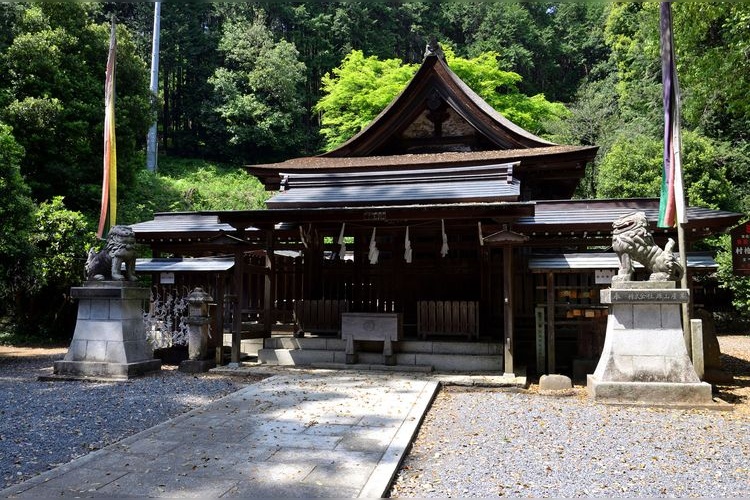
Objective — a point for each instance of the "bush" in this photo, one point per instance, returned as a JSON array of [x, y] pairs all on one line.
[[16, 217], [61, 239], [186, 184]]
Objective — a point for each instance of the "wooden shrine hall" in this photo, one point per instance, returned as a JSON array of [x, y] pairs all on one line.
[[441, 220]]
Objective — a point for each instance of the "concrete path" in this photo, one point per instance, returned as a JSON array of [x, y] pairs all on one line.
[[296, 434]]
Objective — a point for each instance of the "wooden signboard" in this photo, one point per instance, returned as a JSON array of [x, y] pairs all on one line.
[[741, 249]]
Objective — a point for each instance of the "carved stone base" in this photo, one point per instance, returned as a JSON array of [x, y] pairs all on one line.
[[109, 339], [644, 359]]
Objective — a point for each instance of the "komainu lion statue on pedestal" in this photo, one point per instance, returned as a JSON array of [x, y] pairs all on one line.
[[106, 265], [631, 241]]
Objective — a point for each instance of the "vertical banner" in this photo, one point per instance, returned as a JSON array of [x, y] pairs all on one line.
[[109, 178], [672, 201]]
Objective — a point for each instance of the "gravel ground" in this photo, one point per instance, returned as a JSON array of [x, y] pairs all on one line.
[[485, 443], [45, 424], [473, 443]]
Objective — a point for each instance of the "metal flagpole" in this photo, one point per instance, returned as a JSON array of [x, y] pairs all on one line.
[[152, 144]]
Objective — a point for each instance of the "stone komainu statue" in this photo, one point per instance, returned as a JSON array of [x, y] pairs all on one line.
[[632, 241], [106, 264]]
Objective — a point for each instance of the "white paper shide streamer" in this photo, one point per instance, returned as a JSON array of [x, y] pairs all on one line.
[[342, 243], [374, 252], [407, 247], [444, 248]]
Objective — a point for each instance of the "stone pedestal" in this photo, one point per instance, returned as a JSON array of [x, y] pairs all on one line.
[[110, 339], [644, 359], [198, 324]]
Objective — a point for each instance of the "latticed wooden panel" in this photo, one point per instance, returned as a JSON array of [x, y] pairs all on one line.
[[448, 317]]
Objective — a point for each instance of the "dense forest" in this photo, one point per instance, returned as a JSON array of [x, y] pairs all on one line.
[[255, 82]]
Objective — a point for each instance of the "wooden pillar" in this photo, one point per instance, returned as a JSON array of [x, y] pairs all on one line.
[[239, 269], [508, 348], [507, 240], [219, 317], [550, 323], [269, 287]]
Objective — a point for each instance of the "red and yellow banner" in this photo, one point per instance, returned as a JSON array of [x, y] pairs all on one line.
[[109, 179]]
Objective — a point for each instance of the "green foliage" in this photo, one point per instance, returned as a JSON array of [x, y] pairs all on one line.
[[552, 46], [361, 87], [705, 176], [739, 285], [356, 91], [713, 41], [51, 93], [183, 185], [62, 238], [16, 216], [633, 168], [258, 91], [483, 74]]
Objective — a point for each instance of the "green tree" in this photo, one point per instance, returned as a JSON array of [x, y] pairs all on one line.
[[52, 88], [356, 91], [500, 89], [60, 238], [713, 42], [16, 218], [190, 33], [738, 285], [258, 92], [553, 46], [633, 168]]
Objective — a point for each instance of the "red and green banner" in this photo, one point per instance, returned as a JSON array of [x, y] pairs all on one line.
[[109, 179], [672, 203]]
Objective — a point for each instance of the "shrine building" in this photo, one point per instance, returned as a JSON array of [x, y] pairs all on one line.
[[442, 229]]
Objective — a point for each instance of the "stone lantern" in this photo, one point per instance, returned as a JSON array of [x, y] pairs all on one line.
[[198, 323]]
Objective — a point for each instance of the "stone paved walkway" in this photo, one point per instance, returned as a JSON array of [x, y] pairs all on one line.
[[296, 434]]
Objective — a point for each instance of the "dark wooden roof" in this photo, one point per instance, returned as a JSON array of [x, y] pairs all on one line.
[[533, 219], [439, 122], [433, 87], [489, 183], [594, 218]]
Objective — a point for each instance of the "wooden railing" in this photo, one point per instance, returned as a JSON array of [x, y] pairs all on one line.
[[319, 316], [448, 317]]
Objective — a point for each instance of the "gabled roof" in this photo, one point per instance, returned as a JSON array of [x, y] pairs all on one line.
[[433, 87], [437, 121]]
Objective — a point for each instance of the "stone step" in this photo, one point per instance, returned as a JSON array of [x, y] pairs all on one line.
[[405, 346], [438, 361]]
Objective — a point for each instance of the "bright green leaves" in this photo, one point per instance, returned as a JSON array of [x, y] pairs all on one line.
[[356, 91]]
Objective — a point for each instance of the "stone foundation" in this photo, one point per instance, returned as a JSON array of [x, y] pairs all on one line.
[[109, 339], [644, 359]]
